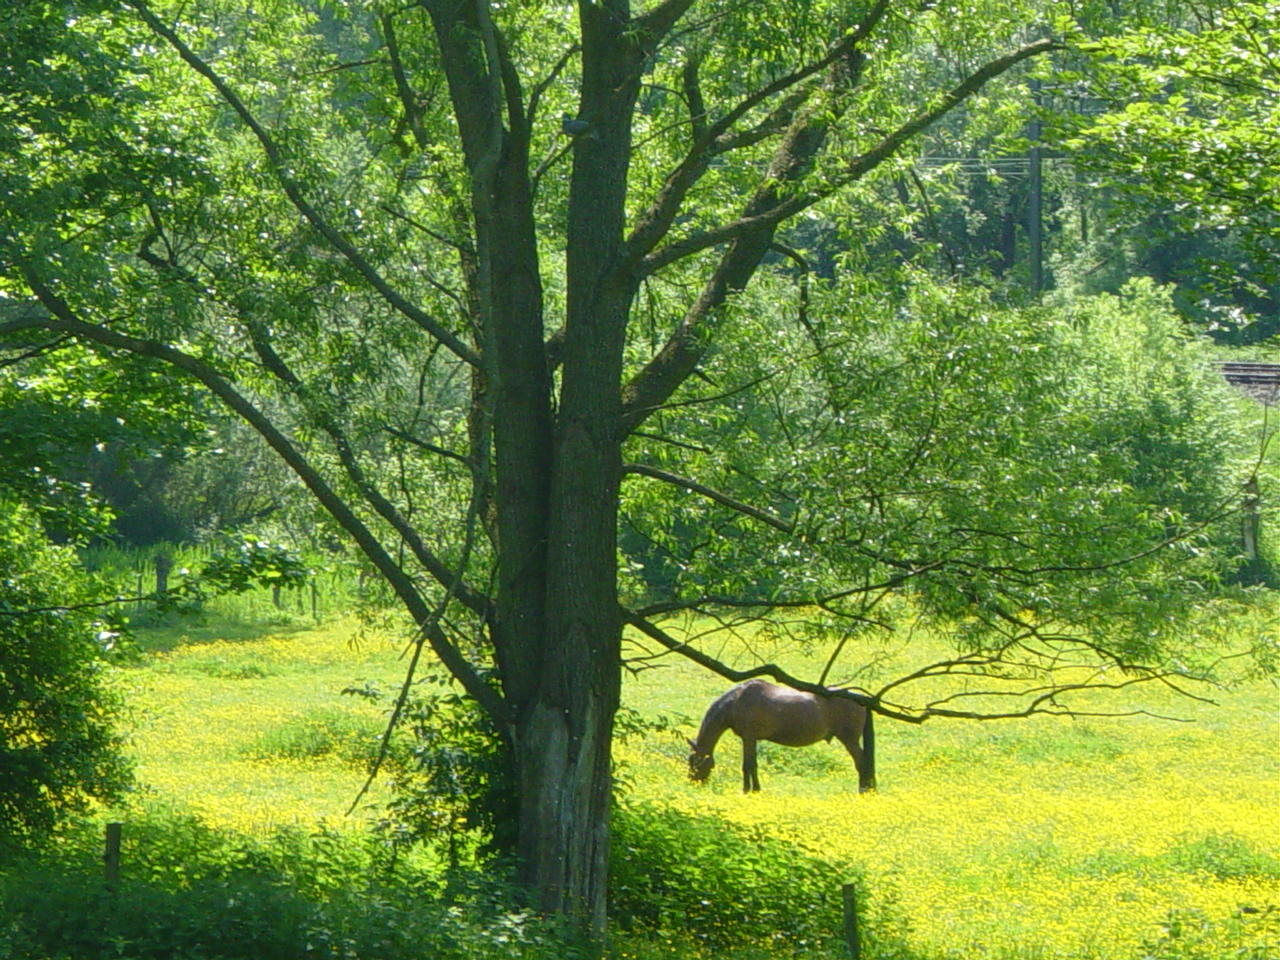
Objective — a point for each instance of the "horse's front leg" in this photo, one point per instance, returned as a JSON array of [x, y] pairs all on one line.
[[750, 774], [861, 763]]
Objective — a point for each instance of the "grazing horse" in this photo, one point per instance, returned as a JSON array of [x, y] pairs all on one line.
[[757, 710]]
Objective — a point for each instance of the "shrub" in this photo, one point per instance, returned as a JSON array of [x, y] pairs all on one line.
[[192, 893], [453, 785], [719, 884], [58, 748]]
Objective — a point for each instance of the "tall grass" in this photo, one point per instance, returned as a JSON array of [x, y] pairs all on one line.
[[334, 584]]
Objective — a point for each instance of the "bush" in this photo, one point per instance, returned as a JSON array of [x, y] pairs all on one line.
[[453, 785], [719, 884], [191, 893], [58, 749]]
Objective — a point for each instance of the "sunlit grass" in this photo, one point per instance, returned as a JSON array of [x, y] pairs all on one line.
[[202, 710], [1044, 838]]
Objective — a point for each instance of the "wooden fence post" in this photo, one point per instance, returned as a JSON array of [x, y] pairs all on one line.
[[164, 565], [1251, 523], [851, 936], [111, 855]]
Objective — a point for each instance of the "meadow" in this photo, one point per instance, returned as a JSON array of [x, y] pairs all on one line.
[[1131, 838]]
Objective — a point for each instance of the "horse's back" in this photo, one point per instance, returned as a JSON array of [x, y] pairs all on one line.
[[766, 711]]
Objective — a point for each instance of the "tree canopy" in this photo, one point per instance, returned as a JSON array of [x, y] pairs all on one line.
[[1176, 121]]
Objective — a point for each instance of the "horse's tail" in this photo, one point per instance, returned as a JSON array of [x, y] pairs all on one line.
[[868, 777]]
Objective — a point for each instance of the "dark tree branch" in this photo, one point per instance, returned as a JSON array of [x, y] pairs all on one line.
[[823, 601], [453, 579], [535, 98], [887, 147], [802, 314], [751, 235], [764, 516], [411, 115], [693, 97], [656, 24], [854, 170], [684, 649], [427, 445], [714, 139], [402, 699], [1044, 699], [518, 119]]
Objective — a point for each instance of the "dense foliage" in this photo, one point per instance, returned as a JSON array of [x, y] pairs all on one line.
[[1180, 136], [59, 748], [993, 462], [195, 893], [719, 885]]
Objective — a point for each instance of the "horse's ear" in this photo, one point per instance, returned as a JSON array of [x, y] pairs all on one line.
[[692, 745]]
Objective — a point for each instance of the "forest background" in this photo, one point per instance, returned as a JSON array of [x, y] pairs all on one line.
[[867, 346]]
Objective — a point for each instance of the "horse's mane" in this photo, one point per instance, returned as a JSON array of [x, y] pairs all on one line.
[[714, 722]]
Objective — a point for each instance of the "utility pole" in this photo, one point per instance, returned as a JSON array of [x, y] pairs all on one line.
[[1035, 197]]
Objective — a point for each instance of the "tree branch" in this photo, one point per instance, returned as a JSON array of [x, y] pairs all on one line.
[[408, 102], [655, 24], [296, 196], [1043, 698], [821, 601], [714, 139], [427, 445], [684, 649], [639, 469], [887, 147], [64, 319], [752, 234]]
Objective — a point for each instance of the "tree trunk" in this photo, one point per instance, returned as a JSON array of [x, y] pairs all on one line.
[[564, 754], [563, 749]]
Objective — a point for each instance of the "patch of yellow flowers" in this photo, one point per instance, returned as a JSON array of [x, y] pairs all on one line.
[[198, 707], [983, 862]]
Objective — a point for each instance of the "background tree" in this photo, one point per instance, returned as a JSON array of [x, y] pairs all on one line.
[[1179, 135], [462, 322]]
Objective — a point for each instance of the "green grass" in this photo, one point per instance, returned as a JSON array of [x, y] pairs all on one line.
[[1077, 839]]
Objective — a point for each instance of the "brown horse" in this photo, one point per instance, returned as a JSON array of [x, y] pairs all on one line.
[[757, 710]]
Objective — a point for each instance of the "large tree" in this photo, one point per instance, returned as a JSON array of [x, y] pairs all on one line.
[[465, 266]]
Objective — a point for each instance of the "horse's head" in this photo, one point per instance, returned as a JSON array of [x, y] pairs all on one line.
[[700, 763]]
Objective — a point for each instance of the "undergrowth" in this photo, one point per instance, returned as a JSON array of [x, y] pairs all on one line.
[[188, 892]]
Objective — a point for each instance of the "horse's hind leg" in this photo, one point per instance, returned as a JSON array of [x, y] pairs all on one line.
[[750, 769]]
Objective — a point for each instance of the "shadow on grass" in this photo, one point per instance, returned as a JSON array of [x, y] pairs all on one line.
[[191, 630], [188, 891]]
